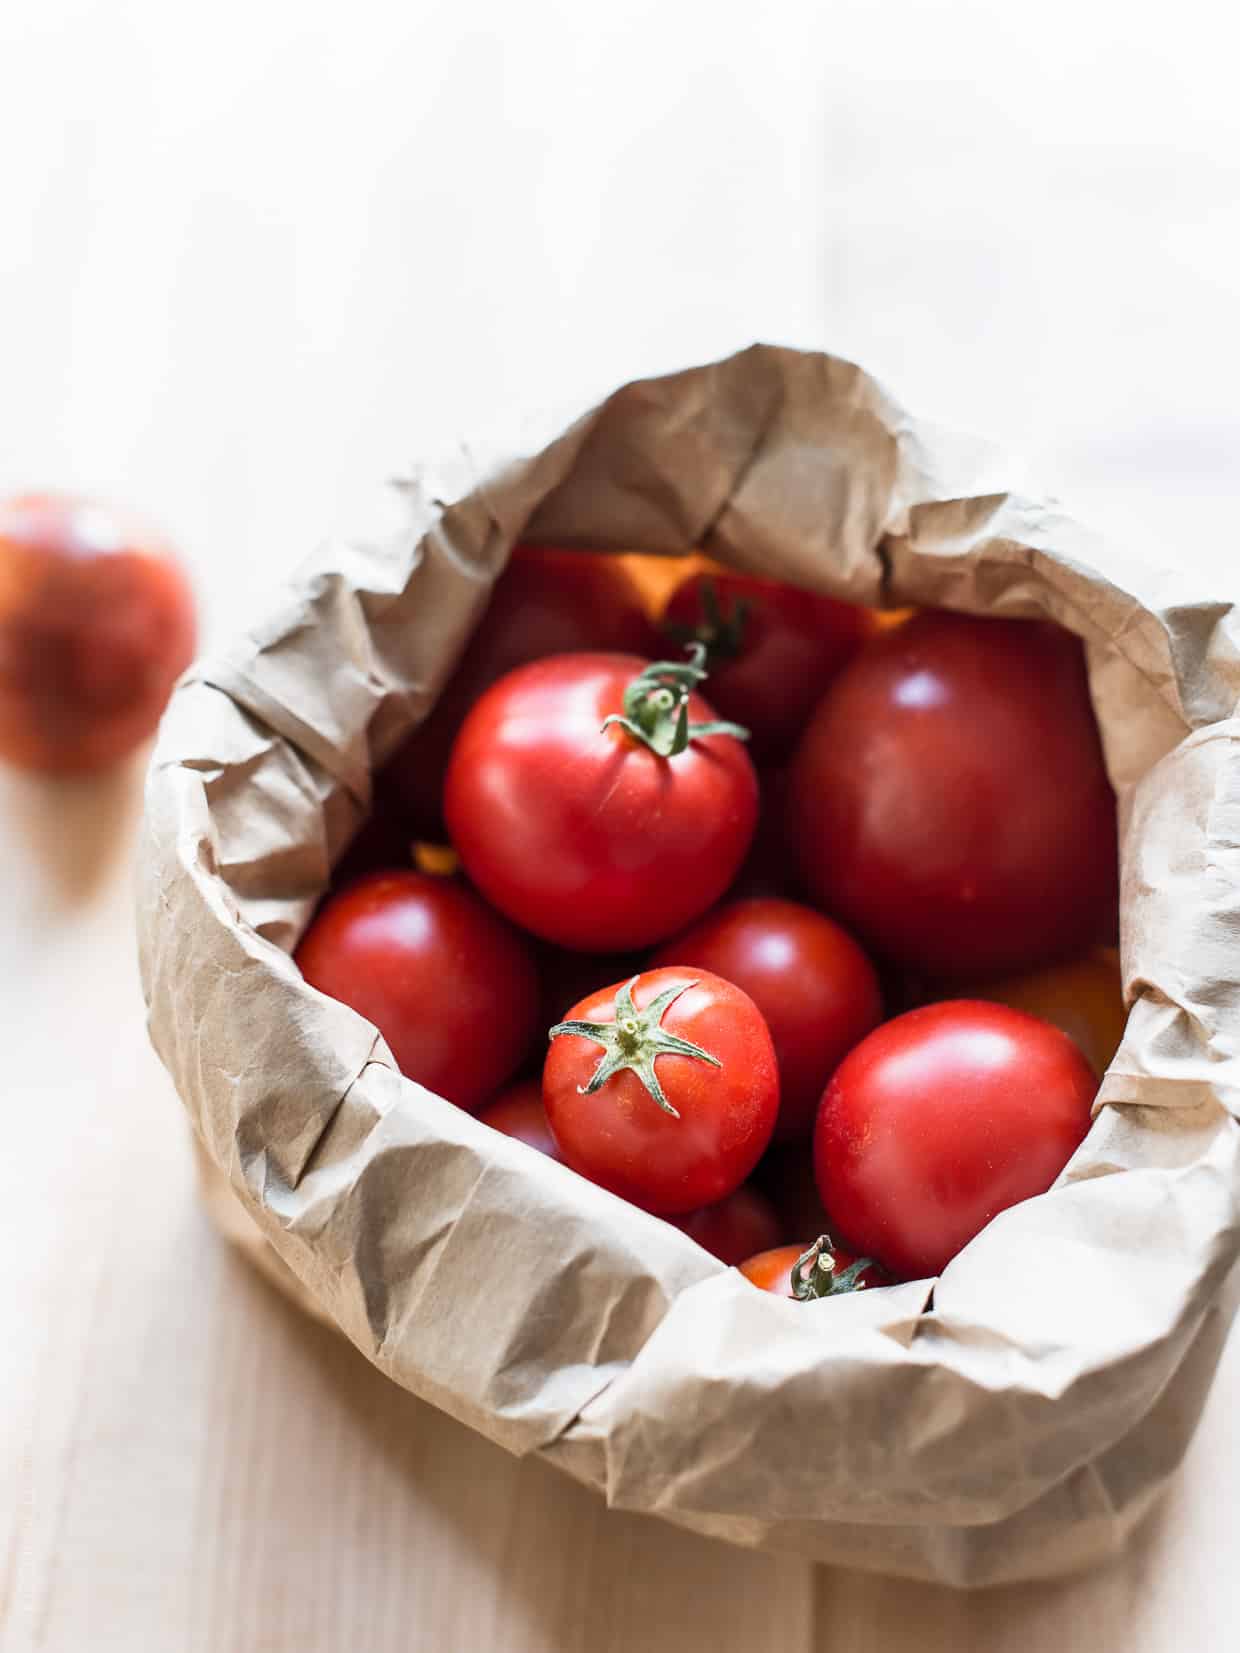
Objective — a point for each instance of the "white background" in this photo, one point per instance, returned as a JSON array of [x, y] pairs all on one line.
[[254, 258]]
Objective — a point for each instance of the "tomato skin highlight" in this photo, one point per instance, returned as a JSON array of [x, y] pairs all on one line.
[[790, 645], [519, 1112], [583, 835], [772, 1270], [815, 988], [96, 625], [448, 984], [547, 601], [941, 1119], [619, 1136], [735, 1227], [949, 802]]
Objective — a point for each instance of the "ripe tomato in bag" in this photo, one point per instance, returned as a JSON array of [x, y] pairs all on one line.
[[448, 984], [663, 1089], [596, 801], [949, 802], [941, 1119]]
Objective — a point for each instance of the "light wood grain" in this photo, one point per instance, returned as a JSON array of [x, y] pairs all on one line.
[[252, 259]]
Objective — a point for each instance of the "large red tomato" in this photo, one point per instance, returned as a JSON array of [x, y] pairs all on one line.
[[825, 1270], [941, 1119], [446, 982], [96, 625], [772, 649], [663, 1089], [590, 801], [519, 1112], [812, 983], [545, 602], [733, 1228], [949, 801]]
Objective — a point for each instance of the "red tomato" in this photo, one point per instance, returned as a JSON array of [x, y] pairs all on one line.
[[772, 1271], [733, 1228], [949, 801], [519, 1112], [96, 625], [585, 835], [941, 1119], [812, 983], [446, 982], [663, 1090], [545, 602], [772, 649]]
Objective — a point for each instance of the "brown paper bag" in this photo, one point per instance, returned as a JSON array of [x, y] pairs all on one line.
[[1013, 1419]]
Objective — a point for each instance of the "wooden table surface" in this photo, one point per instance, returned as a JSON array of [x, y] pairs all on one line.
[[254, 259]]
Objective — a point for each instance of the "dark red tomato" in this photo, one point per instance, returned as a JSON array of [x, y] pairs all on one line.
[[941, 1119], [545, 602], [446, 982], [584, 835], [812, 983], [772, 650], [663, 1090], [96, 625], [519, 1112], [772, 1270], [949, 801], [734, 1228]]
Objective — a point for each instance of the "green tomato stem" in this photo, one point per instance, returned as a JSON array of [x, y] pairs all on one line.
[[634, 1041], [656, 706]]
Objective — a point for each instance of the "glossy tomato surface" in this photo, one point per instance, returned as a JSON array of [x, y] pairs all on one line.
[[772, 1270], [519, 1112], [949, 802], [545, 602], [96, 625], [941, 1119], [772, 650], [815, 987], [735, 1227], [584, 835], [448, 984], [620, 1137]]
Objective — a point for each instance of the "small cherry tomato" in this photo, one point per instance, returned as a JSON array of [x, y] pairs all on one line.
[[815, 987], [519, 1112], [545, 602], [448, 984], [96, 625], [941, 1119], [594, 799], [1084, 999], [733, 1228], [663, 1089], [949, 801], [772, 649], [825, 1270]]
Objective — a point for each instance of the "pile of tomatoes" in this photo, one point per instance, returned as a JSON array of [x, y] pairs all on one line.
[[775, 916]]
